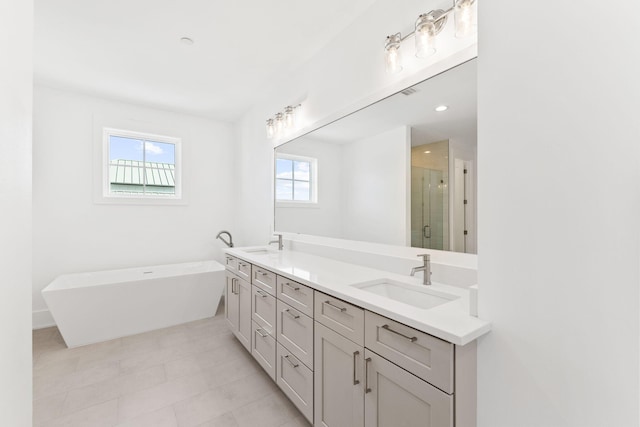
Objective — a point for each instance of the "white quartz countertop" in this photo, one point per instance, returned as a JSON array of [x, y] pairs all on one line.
[[450, 321]]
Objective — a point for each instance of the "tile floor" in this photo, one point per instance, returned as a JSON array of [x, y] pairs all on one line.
[[196, 374]]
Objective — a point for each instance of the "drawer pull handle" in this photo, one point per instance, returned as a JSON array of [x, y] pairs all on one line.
[[295, 316], [355, 380], [412, 339], [295, 288], [295, 365], [367, 389], [335, 307], [262, 294], [242, 264], [259, 331], [264, 273]]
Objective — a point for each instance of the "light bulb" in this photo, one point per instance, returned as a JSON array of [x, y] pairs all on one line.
[[392, 57], [289, 118], [465, 17], [425, 36], [271, 130], [279, 124]]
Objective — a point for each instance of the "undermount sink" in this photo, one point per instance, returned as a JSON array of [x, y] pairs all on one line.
[[257, 251], [415, 295]]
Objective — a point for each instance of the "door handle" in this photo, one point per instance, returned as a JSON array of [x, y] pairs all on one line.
[[367, 389], [355, 380]]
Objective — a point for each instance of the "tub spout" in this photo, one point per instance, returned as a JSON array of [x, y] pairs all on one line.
[[226, 242]]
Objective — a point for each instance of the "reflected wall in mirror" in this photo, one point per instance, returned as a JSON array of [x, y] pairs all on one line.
[[396, 172]]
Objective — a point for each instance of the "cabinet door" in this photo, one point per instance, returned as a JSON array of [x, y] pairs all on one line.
[[231, 306], [338, 380], [243, 288], [394, 397], [263, 310], [295, 332]]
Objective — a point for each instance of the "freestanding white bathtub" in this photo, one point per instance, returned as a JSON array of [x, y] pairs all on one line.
[[99, 306]]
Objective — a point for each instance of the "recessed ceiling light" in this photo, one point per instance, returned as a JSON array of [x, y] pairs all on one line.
[[427, 152], [441, 108], [186, 40]]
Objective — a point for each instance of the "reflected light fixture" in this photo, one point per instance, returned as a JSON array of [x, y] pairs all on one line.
[[271, 129], [427, 27], [283, 121], [440, 108]]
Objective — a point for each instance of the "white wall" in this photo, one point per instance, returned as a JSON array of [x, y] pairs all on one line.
[[16, 40], [375, 188], [559, 214], [74, 234]]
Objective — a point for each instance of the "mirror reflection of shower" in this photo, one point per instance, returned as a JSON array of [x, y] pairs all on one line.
[[430, 196]]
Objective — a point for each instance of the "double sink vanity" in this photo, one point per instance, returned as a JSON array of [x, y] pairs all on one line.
[[355, 346]]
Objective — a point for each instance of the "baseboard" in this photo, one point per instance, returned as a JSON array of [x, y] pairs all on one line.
[[42, 319]]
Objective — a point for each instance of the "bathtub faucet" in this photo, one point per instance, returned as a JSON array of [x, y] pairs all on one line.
[[228, 243]]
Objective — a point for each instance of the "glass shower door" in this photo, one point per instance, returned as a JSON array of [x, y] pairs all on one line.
[[428, 219]]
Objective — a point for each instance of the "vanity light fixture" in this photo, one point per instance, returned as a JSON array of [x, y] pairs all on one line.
[[427, 152], [465, 18], [427, 27], [441, 108], [283, 121]]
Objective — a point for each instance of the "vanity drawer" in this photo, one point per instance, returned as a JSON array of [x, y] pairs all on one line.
[[296, 295], [244, 270], [342, 317], [423, 355], [264, 278], [295, 332], [296, 381], [263, 309], [264, 350], [231, 263]]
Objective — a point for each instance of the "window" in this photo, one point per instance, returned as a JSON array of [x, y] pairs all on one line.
[[296, 179], [138, 165]]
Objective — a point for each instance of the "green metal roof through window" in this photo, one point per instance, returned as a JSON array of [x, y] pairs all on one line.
[[132, 172]]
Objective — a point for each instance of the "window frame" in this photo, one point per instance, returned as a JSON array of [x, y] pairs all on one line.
[[107, 196], [313, 181]]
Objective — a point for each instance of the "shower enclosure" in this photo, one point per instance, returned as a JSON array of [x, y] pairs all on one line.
[[429, 209]]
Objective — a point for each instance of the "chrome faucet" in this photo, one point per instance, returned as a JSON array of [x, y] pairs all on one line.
[[279, 241], [228, 243], [426, 268]]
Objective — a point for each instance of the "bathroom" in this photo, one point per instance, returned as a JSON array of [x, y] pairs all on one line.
[[558, 208]]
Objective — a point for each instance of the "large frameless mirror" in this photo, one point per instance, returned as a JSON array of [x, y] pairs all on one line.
[[400, 171]]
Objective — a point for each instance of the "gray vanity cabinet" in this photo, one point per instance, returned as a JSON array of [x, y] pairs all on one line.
[[395, 397], [338, 380], [238, 308]]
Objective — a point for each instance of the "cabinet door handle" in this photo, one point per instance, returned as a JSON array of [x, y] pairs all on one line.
[[295, 365], [233, 286], [366, 375], [237, 287], [259, 331], [295, 316], [295, 288], [412, 339], [262, 294], [355, 380], [335, 307]]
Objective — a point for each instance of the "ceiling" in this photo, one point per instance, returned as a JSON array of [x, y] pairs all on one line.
[[131, 50], [455, 88]]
